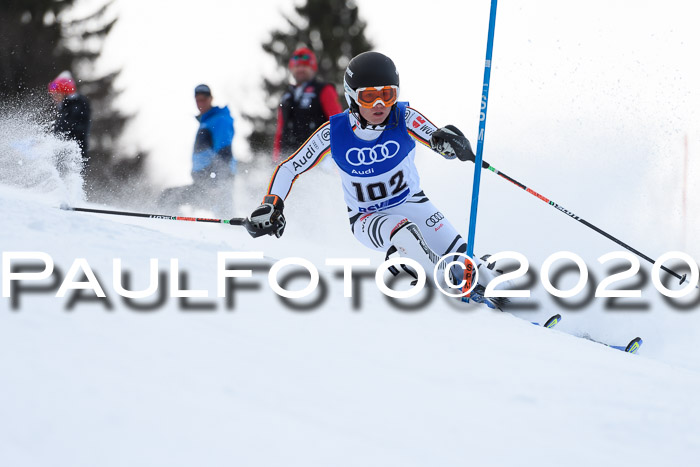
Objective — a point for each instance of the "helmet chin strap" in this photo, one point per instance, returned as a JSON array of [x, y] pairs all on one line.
[[355, 110]]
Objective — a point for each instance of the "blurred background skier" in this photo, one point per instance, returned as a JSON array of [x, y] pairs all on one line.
[[73, 115]]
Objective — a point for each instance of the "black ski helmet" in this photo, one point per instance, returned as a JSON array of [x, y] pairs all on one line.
[[365, 70]]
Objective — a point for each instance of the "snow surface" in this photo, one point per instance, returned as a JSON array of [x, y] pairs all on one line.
[[86, 382]]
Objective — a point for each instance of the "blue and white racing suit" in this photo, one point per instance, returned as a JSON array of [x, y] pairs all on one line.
[[381, 185]]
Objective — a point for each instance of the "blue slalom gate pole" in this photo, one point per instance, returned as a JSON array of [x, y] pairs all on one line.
[[469, 273]]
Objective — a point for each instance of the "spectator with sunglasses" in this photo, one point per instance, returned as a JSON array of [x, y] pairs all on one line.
[[305, 106], [373, 144]]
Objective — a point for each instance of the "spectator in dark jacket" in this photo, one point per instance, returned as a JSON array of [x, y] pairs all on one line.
[[213, 164], [304, 107], [73, 117]]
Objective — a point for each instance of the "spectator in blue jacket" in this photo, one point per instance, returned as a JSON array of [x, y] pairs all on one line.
[[212, 156], [213, 164]]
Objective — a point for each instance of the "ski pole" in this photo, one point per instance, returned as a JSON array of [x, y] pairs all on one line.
[[234, 221], [254, 231], [486, 165]]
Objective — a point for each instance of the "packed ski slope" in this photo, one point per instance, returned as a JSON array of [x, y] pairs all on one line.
[[203, 381]]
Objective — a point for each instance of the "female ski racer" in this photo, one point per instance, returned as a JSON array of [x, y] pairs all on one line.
[[373, 144]]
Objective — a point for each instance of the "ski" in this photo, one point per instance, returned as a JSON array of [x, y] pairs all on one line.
[[550, 323], [632, 347], [498, 303], [477, 295]]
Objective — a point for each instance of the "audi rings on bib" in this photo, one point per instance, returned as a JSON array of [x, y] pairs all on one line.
[[368, 156]]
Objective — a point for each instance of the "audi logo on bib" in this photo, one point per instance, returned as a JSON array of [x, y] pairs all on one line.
[[434, 219], [368, 156]]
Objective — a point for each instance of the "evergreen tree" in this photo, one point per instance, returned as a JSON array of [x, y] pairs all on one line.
[[36, 44], [334, 31]]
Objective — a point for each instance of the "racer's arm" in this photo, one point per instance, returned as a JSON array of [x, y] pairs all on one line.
[[309, 155], [268, 218], [448, 141], [419, 127]]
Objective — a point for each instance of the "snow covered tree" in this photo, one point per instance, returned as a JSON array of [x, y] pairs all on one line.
[[335, 32]]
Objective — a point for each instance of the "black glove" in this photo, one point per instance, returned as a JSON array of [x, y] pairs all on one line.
[[451, 143], [267, 219]]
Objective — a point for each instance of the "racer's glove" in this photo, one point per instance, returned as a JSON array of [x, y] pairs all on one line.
[[451, 143], [267, 219]]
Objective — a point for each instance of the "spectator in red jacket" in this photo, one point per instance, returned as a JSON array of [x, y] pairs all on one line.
[[305, 106]]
